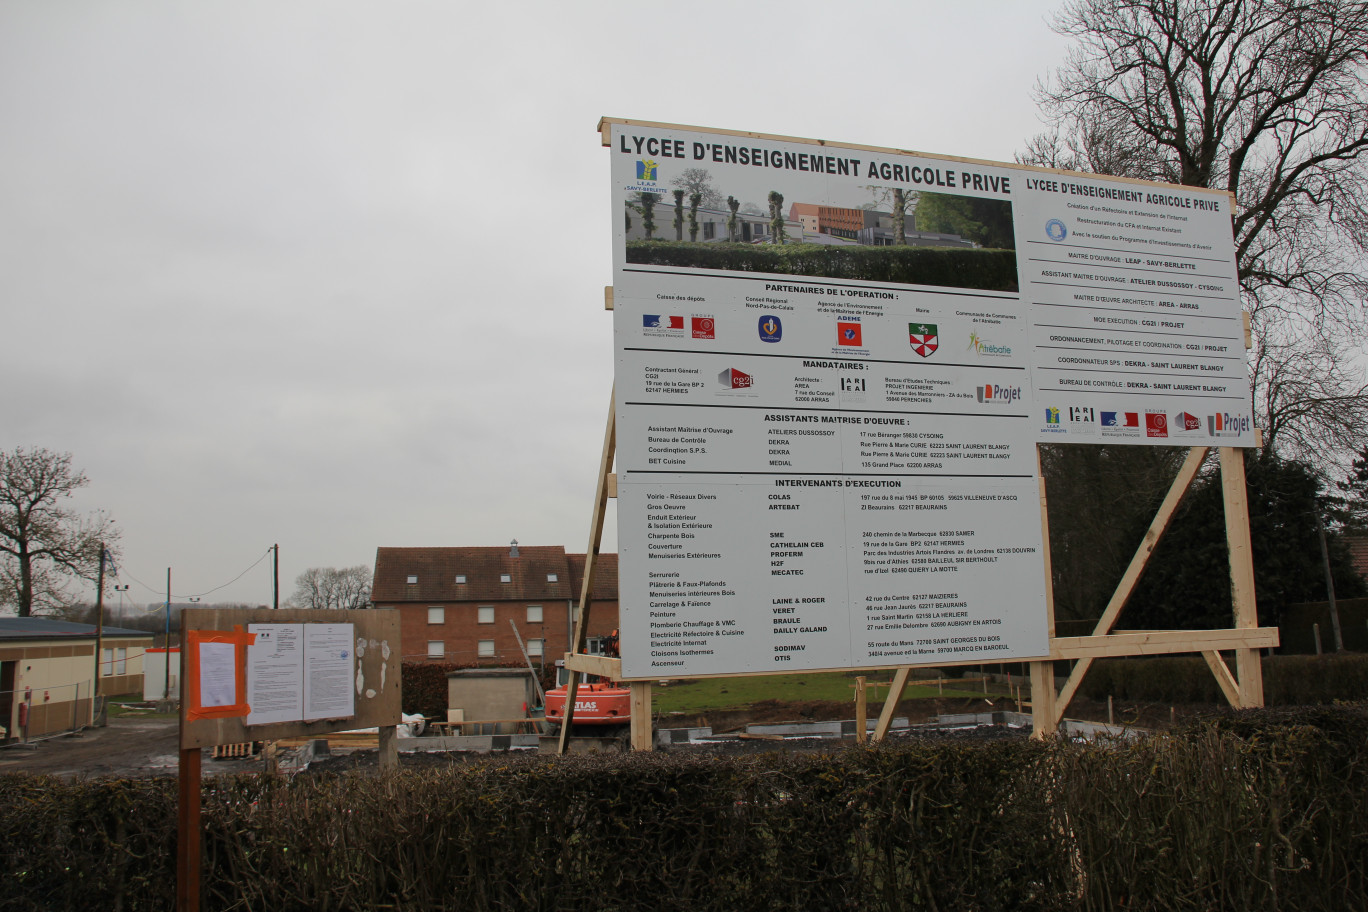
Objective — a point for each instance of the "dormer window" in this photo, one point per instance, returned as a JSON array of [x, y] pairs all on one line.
[[505, 577], [552, 578], [460, 579], [413, 579]]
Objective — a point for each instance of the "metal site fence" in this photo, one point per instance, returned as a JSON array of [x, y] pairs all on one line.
[[1263, 810], [35, 713]]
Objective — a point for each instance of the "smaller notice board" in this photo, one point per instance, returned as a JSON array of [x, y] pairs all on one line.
[[259, 674]]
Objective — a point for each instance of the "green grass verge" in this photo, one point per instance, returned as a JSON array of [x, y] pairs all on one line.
[[705, 694]]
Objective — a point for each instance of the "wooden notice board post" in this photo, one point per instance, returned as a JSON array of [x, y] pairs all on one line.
[[348, 677]]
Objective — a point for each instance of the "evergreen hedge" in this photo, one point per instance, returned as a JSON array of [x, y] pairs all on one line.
[[1288, 680]]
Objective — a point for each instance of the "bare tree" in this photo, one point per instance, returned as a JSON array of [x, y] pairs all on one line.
[[1313, 406], [43, 543], [699, 180], [1266, 99], [328, 587]]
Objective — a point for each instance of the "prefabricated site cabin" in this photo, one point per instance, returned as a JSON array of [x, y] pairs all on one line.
[[47, 667]]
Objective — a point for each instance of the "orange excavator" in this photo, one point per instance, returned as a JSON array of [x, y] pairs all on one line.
[[602, 707]]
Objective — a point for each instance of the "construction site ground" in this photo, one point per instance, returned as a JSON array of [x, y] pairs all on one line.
[[132, 746]]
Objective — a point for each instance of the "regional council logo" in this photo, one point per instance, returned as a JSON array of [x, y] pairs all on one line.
[[1055, 230]]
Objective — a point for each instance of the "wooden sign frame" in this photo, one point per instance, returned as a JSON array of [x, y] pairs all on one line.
[[375, 707], [1243, 688]]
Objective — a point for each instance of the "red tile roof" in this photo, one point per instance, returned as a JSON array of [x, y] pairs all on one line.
[[436, 570], [605, 576]]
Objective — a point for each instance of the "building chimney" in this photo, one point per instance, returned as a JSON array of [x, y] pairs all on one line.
[[513, 548]]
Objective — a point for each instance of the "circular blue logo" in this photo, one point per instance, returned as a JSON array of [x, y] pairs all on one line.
[[1055, 230]]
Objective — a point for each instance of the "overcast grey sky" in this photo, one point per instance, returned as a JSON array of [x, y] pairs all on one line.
[[330, 274]]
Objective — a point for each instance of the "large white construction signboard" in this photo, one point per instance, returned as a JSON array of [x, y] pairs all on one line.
[[833, 367]]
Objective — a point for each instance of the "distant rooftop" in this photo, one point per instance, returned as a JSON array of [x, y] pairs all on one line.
[[46, 628]]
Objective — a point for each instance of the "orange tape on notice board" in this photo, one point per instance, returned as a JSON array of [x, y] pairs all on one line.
[[216, 669]]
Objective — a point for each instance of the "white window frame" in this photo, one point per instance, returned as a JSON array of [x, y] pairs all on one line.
[[436, 614], [121, 660], [552, 578], [536, 648], [534, 614], [439, 651], [460, 579], [484, 614], [505, 577], [413, 579], [485, 649]]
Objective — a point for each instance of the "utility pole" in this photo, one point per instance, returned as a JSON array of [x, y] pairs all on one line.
[[275, 579], [1330, 586], [99, 629], [166, 685]]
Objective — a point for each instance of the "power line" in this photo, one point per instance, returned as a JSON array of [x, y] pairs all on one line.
[[254, 565]]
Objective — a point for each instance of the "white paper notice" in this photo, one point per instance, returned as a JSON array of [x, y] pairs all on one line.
[[275, 673], [328, 671], [218, 675]]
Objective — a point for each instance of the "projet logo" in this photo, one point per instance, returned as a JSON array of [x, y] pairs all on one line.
[[1225, 424], [996, 392]]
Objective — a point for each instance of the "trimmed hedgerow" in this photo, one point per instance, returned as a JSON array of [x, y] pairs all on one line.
[[1259, 810], [954, 267]]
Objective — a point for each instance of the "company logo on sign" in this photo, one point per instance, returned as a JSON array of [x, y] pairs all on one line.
[[646, 169], [703, 328], [1120, 424], [848, 333], [1080, 414], [1052, 415], [1156, 424], [1225, 424], [771, 330], [1186, 423], [656, 321], [996, 392], [923, 337], [1055, 230], [982, 347], [731, 378]]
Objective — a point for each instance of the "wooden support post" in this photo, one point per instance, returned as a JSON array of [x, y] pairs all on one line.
[[861, 735], [388, 745], [1044, 718], [895, 692], [642, 739], [1236, 497], [1229, 686], [581, 634], [1162, 518], [188, 832]]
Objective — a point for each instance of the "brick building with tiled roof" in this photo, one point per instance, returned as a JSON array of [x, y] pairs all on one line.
[[455, 604], [1358, 554]]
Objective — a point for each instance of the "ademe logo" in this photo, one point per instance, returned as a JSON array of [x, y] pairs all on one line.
[[923, 337], [1225, 424], [1156, 424], [848, 333], [996, 392], [703, 328], [771, 330], [731, 378], [646, 169]]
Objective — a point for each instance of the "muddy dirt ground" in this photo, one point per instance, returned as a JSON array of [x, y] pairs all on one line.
[[137, 747]]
